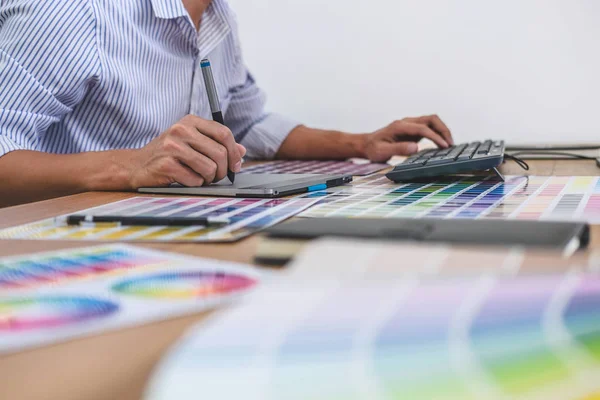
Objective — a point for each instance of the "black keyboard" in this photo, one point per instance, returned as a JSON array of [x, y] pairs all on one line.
[[462, 158]]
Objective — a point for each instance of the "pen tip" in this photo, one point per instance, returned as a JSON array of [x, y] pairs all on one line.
[[231, 176]]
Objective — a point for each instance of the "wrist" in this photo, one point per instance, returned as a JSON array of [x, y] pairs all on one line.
[[110, 171], [358, 144]]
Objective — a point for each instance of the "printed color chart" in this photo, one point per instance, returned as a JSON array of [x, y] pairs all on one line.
[[31, 313], [76, 265], [315, 167], [360, 331], [247, 215], [55, 296], [530, 198], [184, 285]]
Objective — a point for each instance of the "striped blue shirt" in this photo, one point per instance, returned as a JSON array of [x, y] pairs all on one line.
[[94, 75]]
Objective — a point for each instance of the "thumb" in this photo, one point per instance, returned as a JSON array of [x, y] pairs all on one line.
[[402, 149], [386, 150], [241, 149]]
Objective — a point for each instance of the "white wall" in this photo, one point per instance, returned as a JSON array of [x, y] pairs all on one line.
[[523, 70]]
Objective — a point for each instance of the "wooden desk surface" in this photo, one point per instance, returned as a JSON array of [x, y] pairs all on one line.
[[116, 365]]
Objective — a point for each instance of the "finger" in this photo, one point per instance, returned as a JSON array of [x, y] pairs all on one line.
[[197, 162], [213, 150], [221, 134], [400, 149], [242, 150], [435, 123], [185, 176], [383, 151], [422, 130]]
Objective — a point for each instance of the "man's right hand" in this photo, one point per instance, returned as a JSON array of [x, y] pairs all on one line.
[[193, 152]]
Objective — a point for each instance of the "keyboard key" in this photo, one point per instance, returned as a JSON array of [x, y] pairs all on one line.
[[438, 160], [444, 152], [485, 147], [456, 151], [406, 165]]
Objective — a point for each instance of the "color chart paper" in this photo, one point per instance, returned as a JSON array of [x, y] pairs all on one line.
[[51, 297], [344, 326], [315, 167], [248, 216], [557, 198]]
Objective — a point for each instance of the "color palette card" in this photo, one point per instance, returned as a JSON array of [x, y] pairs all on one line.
[[354, 332], [247, 215], [55, 296], [315, 167], [525, 198]]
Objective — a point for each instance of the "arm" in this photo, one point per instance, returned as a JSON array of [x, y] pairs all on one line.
[[268, 135], [41, 83], [398, 138], [192, 152], [52, 175]]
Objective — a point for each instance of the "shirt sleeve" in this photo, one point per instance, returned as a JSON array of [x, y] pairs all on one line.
[[260, 131], [48, 61]]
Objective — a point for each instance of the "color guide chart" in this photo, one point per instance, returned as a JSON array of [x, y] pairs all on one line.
[[38, 313], [184, 285], [370, 334], [315, 167], [55, 296], [524, 198], [247, 215]]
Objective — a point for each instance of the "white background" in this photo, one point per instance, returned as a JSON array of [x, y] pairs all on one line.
[[526, 71]]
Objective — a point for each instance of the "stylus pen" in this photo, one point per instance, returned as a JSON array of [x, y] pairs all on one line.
[[213, 100], [145, 220]]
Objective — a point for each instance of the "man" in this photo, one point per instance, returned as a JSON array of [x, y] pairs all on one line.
[[108, 95]]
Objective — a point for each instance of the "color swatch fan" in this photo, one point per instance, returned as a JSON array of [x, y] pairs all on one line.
[[557, 198], [247, 216], [373, 333]]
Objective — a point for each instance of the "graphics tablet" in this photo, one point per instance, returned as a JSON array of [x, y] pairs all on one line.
[[258, 185]]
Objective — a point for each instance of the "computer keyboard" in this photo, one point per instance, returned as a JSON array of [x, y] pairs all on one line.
[[462, 158]]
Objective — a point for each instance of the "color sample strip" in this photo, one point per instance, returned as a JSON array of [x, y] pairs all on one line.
[[523, 198], [315, 167], [462, 338], [247, 215], [34, 313]]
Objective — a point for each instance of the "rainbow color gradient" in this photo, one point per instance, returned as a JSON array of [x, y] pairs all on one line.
[[185, 285], [32, 313], [60, 268], [530, 337]]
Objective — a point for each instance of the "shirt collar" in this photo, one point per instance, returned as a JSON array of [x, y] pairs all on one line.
[[168, 9], [215, 26]]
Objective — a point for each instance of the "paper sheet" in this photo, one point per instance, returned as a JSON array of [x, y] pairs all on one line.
[[353, 320], [248, 216], [557, 198], [51, 297]]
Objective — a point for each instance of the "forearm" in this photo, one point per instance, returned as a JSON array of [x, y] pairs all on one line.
[[305, 143], [27, 176]]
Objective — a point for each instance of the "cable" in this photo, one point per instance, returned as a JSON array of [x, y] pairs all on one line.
[[554, 153], [522, 163], [550, 148]]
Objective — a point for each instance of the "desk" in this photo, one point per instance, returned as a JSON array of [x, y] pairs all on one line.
[[116, 365]]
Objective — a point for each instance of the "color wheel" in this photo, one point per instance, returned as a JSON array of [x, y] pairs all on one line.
[[23, 314], [185, 285]]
